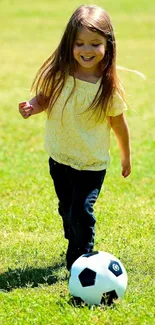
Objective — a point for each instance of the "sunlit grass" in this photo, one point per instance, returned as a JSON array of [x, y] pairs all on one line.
[[33, 276]]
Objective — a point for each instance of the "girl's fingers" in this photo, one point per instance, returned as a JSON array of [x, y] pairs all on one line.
[[126, 172], [25, 109], [25, 105], [22, 104]]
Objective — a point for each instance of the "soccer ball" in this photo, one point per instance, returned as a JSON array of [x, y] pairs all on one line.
[[97, 278]]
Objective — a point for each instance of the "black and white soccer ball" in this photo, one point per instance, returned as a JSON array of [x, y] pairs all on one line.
[[97, 278]]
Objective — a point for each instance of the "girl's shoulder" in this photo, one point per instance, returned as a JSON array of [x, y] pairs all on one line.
[[118, 104]]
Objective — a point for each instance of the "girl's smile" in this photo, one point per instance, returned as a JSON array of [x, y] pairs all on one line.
[[87, 58], [89, 50]]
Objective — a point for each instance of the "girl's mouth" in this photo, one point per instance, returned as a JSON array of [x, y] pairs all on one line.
[[87, 58]]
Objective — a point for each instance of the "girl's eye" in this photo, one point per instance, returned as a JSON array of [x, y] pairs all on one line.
[[79, 44], [95, 45]]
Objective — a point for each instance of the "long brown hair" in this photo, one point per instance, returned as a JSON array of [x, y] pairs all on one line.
[[51, 77]]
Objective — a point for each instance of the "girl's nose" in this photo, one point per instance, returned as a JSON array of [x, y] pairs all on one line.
[[87, 48]]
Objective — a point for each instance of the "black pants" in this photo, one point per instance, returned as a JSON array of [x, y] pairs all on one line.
[[77, 191]]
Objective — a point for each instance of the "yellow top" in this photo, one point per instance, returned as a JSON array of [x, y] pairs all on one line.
[[79, 140]]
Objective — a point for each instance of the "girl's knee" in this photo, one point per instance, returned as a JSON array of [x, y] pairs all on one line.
[[90, 201]]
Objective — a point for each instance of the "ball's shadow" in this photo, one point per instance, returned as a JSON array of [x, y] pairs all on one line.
[[31, 277]]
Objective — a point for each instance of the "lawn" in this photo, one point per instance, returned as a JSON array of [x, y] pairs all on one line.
[[33, 276]]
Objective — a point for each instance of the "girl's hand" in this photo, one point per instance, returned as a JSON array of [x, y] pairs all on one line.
[[25, 109], [126, 167]]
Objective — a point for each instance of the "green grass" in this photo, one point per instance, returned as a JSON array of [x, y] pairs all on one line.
[[33, 276]]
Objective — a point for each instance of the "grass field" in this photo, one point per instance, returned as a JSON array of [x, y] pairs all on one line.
[[33, 277]]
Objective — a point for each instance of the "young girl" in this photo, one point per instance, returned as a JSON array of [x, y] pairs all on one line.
[[79, 88]]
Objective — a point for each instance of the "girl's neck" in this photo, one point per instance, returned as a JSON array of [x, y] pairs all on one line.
[[87, 75]]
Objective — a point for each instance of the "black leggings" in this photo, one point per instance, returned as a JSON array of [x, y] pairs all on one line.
[[77, 192]]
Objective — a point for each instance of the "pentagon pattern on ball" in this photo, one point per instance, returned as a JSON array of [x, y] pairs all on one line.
[[90, 254], [109, 297], [87, 277], [115, 268]]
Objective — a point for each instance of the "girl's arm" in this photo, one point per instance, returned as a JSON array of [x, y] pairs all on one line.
[[121, 130], [36, 105]]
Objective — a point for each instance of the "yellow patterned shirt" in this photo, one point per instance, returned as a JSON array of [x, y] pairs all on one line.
[[78, 139]]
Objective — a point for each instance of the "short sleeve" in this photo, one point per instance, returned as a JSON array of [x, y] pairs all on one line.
[[118, 107]]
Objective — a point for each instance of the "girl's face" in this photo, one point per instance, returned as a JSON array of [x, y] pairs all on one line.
[[89, 50]]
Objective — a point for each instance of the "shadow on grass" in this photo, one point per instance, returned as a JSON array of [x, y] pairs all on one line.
[[31, 277]]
